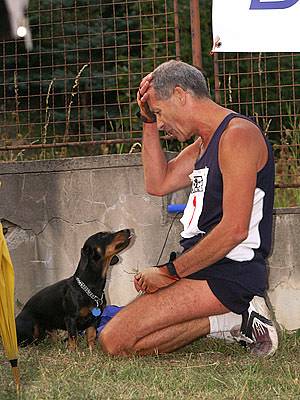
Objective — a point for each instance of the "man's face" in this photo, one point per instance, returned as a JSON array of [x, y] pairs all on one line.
[[170, 115]]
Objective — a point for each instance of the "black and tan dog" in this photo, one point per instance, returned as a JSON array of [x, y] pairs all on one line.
[[74, 304]]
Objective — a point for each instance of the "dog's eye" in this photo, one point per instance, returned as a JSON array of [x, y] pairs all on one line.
[[98, 250], [97, 253]]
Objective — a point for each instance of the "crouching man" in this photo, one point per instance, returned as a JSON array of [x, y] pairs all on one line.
[[219, 281]]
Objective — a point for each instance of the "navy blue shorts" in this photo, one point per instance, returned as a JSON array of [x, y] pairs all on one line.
[[235, 283]]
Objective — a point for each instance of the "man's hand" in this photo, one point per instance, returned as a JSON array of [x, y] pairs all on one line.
[[142, 96], [152, 279]]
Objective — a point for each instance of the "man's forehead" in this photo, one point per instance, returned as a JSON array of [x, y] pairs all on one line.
[[151, 92], [152, 101]]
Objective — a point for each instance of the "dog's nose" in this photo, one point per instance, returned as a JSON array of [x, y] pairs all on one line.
[[131, 233]]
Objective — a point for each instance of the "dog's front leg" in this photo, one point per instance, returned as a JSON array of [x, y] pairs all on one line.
[[91, 334], [72, 332]]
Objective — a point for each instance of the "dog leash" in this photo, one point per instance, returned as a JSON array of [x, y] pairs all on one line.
[[167, 236], [99, 301], [141, 292]]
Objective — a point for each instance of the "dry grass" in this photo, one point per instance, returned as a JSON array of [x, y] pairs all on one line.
[[207, 369]]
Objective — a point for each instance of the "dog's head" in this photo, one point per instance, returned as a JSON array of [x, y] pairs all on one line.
[[100, 250]]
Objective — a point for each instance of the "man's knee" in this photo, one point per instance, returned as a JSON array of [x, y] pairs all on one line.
[[108, 343], [113, 344]]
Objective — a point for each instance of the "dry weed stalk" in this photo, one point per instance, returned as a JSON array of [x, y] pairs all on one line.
[[47, 113], [47, 119], [16, 89], [73, 93]]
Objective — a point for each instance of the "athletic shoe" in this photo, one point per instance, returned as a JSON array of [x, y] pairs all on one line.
[[258, 332]]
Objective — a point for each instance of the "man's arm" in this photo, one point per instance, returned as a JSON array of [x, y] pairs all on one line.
[[162, 176], [242, 153]]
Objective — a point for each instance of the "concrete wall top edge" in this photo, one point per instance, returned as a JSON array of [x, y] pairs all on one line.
[[92, 162], [288, 210], [74, 163]]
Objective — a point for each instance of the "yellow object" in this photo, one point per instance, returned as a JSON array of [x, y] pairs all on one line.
[[7, 315]]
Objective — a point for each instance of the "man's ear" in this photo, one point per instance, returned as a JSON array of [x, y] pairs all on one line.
[[180, 95], [114, 260]]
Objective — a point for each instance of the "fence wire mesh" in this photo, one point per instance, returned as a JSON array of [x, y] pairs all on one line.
[[75, 92], [267, 87], [78, 85]]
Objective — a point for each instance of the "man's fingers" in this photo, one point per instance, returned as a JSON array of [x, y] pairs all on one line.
[[142, 98], [147, 79], [144, 86], [151, 290], [137, 285]]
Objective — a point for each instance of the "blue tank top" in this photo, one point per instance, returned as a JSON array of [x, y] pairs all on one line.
[[204, 207]]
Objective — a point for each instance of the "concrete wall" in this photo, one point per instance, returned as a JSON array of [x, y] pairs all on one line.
[[51, 207], [284, 267]]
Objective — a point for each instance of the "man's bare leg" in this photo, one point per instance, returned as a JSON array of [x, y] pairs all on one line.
[[163, 321], [173, 337]]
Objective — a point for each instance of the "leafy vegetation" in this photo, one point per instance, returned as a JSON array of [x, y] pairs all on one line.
[[79, 83]]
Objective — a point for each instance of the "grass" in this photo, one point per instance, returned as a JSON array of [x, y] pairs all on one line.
[[207, 369]]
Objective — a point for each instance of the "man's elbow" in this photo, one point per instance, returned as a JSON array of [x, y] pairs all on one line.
[[155, 191], [239, 234]]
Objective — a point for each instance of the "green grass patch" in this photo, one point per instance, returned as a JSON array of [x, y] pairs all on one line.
[[207, 369]]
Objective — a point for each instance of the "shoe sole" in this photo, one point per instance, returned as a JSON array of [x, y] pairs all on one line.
[[265, 327], [259, 323]]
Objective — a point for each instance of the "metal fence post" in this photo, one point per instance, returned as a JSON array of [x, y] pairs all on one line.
[[196, 33]]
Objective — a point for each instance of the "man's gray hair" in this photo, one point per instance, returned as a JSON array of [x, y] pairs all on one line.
[[177, 73]]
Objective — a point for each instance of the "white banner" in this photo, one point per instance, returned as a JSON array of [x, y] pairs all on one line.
[[256, 25]]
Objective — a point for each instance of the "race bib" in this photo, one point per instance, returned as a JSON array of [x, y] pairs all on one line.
[[194, 205]]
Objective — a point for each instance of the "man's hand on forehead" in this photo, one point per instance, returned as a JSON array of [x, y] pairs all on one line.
[[145, 113], [143, 88]]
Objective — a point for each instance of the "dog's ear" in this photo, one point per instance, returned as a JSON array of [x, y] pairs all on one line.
[[114, 260], [84, 259]]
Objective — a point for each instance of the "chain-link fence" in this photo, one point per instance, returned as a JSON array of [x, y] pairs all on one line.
[[267, 87], [78, 84], [75, 92]]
